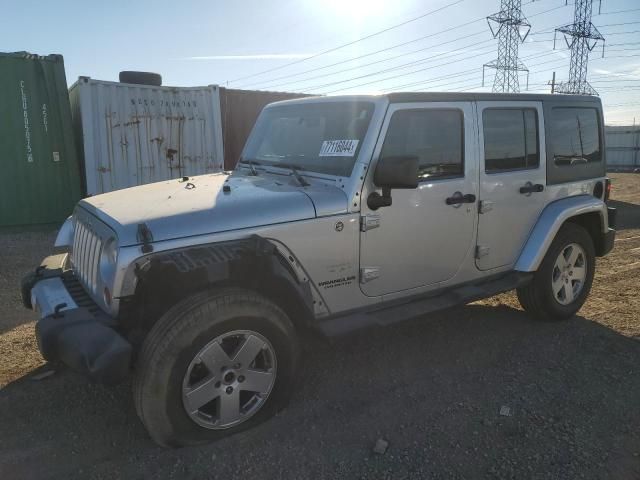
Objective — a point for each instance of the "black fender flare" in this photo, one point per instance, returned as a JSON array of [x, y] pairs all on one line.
[[253, 262]]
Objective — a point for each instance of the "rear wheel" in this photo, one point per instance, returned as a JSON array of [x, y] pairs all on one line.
[[214, 364], [562, 283]]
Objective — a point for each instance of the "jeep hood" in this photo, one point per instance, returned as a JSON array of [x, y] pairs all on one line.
[[197, 206]]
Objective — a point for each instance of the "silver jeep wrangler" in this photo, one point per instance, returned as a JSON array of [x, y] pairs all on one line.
[[343, 213]]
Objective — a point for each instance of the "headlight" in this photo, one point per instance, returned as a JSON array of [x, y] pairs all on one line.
[[108, 261]]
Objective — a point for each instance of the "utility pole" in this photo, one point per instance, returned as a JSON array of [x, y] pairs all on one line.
[[553, 83], [581, 38], [511, 28]]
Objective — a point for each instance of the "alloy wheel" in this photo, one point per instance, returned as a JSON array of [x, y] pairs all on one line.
[[569, 274], [229, 379]]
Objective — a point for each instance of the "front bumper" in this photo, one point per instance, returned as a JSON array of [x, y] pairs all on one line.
[[72, 329]]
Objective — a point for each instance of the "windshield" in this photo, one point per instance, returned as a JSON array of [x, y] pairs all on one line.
[[319, 137]]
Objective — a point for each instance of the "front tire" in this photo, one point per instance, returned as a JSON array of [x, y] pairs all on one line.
[[216, 363], [562, 283]]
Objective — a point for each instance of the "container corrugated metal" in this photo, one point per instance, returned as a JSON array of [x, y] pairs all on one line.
[[623, 147], [41, 182], [240, 109], [137, 134]]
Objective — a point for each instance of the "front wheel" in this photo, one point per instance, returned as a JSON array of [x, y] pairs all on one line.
[[562, 283], [214, 364]]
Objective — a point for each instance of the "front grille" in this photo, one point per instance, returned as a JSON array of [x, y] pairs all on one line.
[[78, 293], [85, 255]]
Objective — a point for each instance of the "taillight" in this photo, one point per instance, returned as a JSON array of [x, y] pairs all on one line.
[[607, 189]]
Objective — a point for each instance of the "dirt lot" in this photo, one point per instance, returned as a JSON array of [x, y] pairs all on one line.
[[433, 388]]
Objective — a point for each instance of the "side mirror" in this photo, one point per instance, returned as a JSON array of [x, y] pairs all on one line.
[[393, 172]]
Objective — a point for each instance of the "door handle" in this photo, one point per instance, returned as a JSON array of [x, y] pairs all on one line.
[[458, 198], [530, 188]]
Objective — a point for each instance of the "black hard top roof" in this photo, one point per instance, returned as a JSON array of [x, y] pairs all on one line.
[[404, 97]]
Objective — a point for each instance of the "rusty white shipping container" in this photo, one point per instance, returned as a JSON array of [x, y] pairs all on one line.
[[135, 134]]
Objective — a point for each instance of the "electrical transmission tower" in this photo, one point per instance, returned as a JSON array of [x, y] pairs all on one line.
[[581, 37], [511, 28]]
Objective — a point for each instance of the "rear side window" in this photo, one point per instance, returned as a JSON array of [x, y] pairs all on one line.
[[576, 136], [434, 136], [510, 139]]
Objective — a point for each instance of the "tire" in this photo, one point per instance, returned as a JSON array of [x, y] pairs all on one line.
[[541, 298], [141, 78], [189, 338]]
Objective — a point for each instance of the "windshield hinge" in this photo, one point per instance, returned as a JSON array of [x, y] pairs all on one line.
[[145, 237]]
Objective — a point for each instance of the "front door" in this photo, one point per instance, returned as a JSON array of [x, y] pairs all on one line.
[[424, 237], [512, 179]]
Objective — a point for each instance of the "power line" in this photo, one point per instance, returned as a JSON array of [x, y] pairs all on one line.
[[395, 76], [428, 68], [623, 74], [378, 72], [447, 30], [622, 44], [618, 80], [358, 67], [622, 33], [601, 26], [422, 82], [619, 11], [556, 62], [397, 67], [366, 37]]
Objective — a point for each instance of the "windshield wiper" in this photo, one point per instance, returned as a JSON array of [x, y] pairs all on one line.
[[252, 164], [294, 172]]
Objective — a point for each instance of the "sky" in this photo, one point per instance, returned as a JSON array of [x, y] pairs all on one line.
[[324, 46]]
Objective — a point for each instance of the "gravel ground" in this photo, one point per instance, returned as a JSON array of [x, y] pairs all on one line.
[[477, 392]]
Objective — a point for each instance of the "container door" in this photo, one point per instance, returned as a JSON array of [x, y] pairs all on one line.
[[512, 179], [138, 134], [41, 183], [424, 237]]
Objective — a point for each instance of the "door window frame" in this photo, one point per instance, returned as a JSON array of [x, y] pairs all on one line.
[[483, 105], [466, 116], [510, 170], [463, 150]]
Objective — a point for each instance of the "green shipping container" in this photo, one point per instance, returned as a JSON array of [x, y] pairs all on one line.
[[38, 161]]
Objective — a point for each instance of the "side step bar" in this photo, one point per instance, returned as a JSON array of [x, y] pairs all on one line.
[[398, 312]]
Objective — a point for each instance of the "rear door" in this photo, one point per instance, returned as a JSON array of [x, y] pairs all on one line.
[[512, 179]]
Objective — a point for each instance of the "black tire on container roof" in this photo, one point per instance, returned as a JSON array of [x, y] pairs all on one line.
[[141, 78]]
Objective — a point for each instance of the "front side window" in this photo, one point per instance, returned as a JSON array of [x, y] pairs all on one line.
[[434, 136], [318, 137], [576, 136], [510, 139]]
